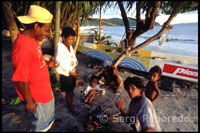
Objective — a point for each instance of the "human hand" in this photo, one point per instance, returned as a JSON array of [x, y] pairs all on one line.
[[120, 104], [73, 74], [30, 105], [100, 92], [103, 86], [77, 72], [53, 64]]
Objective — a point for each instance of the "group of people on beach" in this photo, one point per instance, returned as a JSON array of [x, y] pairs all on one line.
[[32, 80]]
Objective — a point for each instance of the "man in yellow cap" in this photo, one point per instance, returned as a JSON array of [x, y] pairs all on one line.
[[31, 74]]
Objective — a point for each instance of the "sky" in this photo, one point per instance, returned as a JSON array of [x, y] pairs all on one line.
[[189, 17]]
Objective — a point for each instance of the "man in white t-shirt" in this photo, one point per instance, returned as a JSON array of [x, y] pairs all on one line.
[[67, 67]]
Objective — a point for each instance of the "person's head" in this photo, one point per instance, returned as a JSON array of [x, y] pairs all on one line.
[[155, 73], [106, 63], [94, 81], [134, 86], [68, 35], [38, 21]]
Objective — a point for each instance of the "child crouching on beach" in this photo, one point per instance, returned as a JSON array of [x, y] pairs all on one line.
[[152, 91], [112, 78], [92, 90]]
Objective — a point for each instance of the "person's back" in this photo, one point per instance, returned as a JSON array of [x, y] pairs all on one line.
[[112, 77], [152, 90]]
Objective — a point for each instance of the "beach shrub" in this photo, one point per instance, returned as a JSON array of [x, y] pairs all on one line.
[[103, 38]]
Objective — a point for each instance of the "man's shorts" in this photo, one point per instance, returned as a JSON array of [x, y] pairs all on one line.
[[68, 83]]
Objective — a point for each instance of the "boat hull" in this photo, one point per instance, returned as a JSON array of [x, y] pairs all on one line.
[[175, 66]]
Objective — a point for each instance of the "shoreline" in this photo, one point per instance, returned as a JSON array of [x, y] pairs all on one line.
[[179, 43], [177, 109]]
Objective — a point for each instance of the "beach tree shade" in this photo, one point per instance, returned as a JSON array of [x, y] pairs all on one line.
[[82, 9], [71, 13], [13, 9], [151, 10]]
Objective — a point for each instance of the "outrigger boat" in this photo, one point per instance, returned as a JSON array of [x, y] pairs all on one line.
[[172, 65]]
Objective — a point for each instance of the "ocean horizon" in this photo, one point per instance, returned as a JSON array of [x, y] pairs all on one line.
[[183, 38]]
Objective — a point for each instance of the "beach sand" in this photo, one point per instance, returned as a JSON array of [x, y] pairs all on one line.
[[177, 110]]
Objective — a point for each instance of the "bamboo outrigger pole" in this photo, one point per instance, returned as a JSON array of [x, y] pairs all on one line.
[[101, 21]]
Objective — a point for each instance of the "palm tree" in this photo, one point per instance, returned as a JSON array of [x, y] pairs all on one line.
[[69, 11], [81, 10]]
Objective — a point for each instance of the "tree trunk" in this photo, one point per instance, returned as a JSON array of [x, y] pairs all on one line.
[[143, 26], [12, 26], [57, 29], [78, 33], [57, 25], [100, 24], [165, 27], [124, 17]]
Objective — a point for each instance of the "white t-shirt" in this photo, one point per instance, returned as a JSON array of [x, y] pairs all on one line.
[[66, 59], [89, 88], [144, 113]]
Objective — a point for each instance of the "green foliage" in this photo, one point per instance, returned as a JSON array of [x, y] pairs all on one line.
[[54, 82], [88, 8], [188, 6], [103, 38]]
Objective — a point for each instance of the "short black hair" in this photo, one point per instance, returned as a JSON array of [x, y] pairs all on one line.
[[94, 77], [31, 26], [134, 80], [156, 69], [68, 31]]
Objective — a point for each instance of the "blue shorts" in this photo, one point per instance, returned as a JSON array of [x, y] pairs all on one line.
[[43, 118]]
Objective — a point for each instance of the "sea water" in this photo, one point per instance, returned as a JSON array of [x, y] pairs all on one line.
[[183, 38]]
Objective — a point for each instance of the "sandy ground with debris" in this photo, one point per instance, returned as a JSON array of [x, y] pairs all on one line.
[[177, 110]]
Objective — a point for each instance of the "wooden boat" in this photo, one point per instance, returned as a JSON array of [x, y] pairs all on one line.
[[175, 66]]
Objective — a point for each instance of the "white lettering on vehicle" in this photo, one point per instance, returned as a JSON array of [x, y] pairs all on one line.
[[186, 72]]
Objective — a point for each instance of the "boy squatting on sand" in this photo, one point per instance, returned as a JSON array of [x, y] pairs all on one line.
[[152, 85], [112, 78], [92, 90]]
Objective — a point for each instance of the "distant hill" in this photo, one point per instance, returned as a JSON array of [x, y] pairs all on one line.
[[117, 21], [195, 23]]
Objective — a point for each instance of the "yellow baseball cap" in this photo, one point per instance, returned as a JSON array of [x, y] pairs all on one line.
[[36, 14]]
